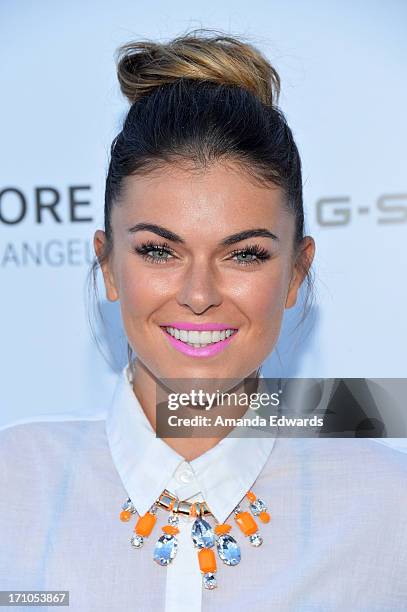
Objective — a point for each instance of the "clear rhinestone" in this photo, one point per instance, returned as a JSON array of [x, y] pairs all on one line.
[[128, 505], [137, 541], [237, 510], [202, 534], [165, 549], [209, 581], [228, 549], [258, 506], [173, 519], [153, 509], [256, 539]]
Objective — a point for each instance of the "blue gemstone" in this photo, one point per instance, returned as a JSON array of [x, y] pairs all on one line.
[[258, 506], [165, 549], [228, 549], [202, 534]]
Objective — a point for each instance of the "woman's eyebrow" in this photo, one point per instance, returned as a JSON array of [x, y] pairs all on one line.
[[232, 239]]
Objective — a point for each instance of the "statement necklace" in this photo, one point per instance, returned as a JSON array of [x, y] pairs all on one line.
[[204, 536]]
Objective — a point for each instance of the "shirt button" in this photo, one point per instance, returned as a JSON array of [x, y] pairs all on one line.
[[185, 474]]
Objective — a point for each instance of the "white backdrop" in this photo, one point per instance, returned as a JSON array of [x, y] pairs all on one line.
[[342, 66]]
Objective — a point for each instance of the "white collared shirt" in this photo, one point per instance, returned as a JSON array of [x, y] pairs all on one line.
[[337, 540]]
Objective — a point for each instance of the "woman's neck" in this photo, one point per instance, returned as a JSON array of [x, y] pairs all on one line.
[[191, 447]]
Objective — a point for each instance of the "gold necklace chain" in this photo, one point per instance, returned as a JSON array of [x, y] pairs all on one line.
[[169, 501]]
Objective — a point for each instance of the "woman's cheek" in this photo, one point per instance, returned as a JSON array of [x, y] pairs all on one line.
[[268, 314], [136, 288]]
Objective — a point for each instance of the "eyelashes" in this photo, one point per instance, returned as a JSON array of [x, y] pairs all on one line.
[[256, 250], [259, 253], [149, 246]]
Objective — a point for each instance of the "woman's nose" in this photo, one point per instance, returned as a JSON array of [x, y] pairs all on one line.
[[200, 288]]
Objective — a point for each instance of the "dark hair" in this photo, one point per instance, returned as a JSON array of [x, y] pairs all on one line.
[[196, 100]]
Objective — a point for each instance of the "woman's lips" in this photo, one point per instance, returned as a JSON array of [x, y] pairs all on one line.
[[202, 351]]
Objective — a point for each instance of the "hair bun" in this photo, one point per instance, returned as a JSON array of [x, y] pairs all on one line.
[[144, 65]]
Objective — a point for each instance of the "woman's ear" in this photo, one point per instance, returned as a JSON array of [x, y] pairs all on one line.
[[302, 264], [99, 244]]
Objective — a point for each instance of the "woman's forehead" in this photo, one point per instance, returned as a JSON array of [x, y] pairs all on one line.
[[217, 193]]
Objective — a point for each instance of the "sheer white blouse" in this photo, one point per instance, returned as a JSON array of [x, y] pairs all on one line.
[[337, 539]]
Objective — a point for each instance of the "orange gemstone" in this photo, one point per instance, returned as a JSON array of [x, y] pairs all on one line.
[[246, 523], [251, 497], [145, 524], [264, 517], [192, 510], [125, 515], [170, 529], [207, 561], [223, 528]]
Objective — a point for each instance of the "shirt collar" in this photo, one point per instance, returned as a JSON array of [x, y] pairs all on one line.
[[146, 463]]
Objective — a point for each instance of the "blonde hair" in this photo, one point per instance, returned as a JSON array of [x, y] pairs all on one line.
[[145, 65]]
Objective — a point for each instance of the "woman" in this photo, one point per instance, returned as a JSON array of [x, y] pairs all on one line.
[[204, 248]]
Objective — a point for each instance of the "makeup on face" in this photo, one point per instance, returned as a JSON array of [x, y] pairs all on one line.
[[199, 340], [202, 264]]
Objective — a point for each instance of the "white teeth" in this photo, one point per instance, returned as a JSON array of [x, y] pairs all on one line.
[[194, 337], [205, 337], [183, 334], [198, 339]]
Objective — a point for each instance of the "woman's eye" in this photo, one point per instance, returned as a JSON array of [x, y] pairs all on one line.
[[158, 254], [246, 257], [154, 253], [255, 254]]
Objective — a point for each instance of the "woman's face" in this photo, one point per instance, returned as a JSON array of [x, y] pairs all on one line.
[[199, 276]]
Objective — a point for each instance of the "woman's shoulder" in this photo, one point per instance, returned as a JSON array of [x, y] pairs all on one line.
[[49, 435], [360, 460], [360, 452], [386, 462], [45, 461], [367, 466], [38, 454], [353, 477]]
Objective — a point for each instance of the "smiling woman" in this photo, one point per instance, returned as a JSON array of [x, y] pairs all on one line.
[[227, 239], [203, 212], [204, 248]]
